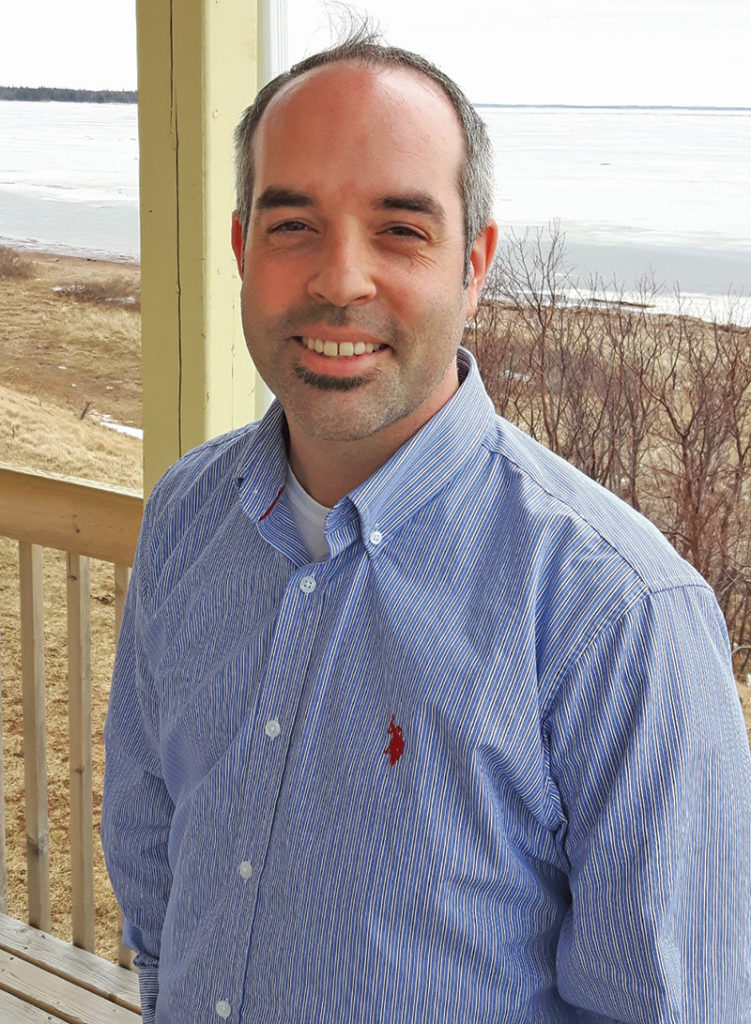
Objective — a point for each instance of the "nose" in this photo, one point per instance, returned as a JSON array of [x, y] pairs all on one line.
[[343, 275]]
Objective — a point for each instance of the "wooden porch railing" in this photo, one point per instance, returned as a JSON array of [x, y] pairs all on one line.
[[85, 521]]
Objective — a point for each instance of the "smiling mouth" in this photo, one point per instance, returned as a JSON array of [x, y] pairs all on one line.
[[339, 350]]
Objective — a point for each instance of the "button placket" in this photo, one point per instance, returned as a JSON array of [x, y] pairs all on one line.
[[267, 736]]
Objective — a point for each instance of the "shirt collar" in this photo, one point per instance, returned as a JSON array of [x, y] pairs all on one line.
[[423, 466], [262, 471], [394, 493]]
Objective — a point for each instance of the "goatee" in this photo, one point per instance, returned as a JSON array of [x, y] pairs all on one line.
[[326, 383]]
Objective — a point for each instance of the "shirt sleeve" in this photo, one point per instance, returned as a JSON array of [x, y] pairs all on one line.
[[649, 750], [136, 807]]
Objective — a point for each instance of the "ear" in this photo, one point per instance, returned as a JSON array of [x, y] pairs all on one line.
[[238, 243], [480, 259]]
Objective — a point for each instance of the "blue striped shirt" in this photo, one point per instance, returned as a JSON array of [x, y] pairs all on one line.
[[484, 764]]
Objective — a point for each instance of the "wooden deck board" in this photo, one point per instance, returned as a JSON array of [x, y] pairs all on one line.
[[68, 983], [52, 993], [15, 1011]]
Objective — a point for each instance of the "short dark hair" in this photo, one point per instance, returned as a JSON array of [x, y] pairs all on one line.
[[363, 45]]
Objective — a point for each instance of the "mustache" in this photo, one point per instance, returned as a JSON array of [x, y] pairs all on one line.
[[305, 320]]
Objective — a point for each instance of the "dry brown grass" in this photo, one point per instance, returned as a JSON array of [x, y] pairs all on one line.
[[81, 357], [113, 292], [41, 429], [13, 265]]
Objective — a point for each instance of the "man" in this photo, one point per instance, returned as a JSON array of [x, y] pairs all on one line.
[[410, 721]]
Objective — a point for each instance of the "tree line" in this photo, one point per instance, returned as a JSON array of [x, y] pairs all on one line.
[[48, 93], [656, 407]]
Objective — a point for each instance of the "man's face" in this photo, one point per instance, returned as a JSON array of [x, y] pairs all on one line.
[[353, 301]]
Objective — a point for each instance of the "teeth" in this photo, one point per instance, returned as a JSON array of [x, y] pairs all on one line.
[[343, 350]]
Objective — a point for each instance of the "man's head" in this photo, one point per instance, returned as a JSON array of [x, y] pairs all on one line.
[[356, 277], [476, 177]]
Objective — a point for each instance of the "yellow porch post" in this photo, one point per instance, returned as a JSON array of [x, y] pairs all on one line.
[[197, 71]]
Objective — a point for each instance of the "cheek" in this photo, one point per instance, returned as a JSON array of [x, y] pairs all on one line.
[[417, 295], [261, 290], [439, 305], [273, 285], [406, 303]]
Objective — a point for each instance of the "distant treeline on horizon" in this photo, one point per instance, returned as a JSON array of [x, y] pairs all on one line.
[[46, 94], [605, 106]]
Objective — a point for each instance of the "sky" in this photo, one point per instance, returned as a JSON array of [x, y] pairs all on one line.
[[599, 52]]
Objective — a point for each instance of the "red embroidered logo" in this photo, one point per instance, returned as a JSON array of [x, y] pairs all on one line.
[[395, 749]]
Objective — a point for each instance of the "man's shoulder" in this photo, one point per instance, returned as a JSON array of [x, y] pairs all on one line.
[[569, 507], [203, 469]]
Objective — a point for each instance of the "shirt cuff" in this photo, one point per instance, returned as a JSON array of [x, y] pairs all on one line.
[[148, 987]]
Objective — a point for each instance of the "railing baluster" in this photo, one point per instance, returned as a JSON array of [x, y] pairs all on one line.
[[79, 717], [34, 734], [122, 578], [90, 521], [3, 857]]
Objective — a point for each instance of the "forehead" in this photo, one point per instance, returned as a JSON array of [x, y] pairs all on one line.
[[351, 113]]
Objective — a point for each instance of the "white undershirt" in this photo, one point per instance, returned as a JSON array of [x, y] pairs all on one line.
[[309, 517]]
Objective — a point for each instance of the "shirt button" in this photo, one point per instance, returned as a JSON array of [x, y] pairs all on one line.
[[308, 584], [223, 1009], [245, 869], [272, 729], [376, 537]]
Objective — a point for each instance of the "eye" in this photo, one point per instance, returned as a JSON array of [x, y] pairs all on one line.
[[288, 227], [405, 231]]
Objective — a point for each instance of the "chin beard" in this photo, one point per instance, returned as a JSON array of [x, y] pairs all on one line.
[[324, 383]]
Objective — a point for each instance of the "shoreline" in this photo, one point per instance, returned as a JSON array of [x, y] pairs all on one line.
[[50, 251], [699, 278], [703, 280], [665, 301]]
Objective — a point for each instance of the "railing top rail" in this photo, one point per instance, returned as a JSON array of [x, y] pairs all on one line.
[[71, 515]]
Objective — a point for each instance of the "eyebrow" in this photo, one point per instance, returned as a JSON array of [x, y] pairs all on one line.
[[275, 196], [413, 202]]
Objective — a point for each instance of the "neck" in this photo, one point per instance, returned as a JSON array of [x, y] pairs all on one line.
[[330, 469]]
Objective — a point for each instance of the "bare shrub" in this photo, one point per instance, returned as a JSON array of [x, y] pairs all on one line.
[[705, 426], [111, 291], [13, 265], [655, 407]]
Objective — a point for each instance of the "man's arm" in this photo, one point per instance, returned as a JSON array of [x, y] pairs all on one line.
[[136, 810], [649, 751]]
